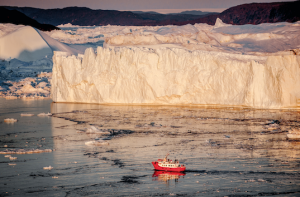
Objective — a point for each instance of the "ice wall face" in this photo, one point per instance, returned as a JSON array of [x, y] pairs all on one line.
[[138, 75]]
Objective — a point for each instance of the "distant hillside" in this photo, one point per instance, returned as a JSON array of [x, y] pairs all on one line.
[[86, 16], [254, 13], [198, 12], [81, 16], [18, 18]]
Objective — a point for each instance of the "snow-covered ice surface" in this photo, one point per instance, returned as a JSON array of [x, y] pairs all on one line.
[[29, 44]]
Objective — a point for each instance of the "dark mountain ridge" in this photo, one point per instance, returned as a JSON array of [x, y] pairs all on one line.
[[86, 17], [254, 13], [18, 18]]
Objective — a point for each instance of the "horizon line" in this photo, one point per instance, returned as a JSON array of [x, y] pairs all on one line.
[[169, 11]]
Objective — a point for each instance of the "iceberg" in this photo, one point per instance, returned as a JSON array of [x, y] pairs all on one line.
[[29, 44], [176, 76], [25, 52]]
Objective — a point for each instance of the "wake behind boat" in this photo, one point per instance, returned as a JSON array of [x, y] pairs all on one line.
[[168, 165]]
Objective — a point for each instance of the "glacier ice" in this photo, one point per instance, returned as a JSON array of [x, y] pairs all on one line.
[[226, 65], [145, 75], [246, 65], [28, 44]]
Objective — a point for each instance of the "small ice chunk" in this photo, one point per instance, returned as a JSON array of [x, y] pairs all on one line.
[[55, 177], [7, 155], [10, 120], [13, 158], [94, 130], [27, 114], [44, 114], [25, 151], [12, 164], [48, 168], [96, 143]]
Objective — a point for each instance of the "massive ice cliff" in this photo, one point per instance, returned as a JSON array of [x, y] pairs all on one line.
[[226, 65], [164, 75]]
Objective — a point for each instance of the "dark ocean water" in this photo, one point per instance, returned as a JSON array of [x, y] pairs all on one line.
[[227, 151]]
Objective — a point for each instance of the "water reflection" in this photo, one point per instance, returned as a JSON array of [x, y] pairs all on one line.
[[166, 176]]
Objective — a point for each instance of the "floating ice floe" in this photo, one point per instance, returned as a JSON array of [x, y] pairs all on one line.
[[48, 168], [13, 158], [25, 151], [10, 120], [55, 177], [94, 130], [272, 126], [27, 88], [27, 114], [7, 155], [12, 164], [45, 114], [97, 143], [294, 134]]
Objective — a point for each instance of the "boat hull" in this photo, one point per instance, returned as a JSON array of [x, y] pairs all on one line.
[[177, 169]]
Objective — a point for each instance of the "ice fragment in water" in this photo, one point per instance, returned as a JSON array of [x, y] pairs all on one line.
[[48, 168], [44, 114], [10, 120], [27, 114], [96, 143]]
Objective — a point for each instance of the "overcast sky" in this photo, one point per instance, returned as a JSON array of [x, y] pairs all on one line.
[[133, 4]]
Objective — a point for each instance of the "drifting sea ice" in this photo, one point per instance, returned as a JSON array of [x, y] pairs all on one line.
[[44, 114], [10, 120], [27, 114], [94, 130], [48, 168], [97, 143]]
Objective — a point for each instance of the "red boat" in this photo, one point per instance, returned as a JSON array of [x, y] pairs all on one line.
[[168, 165]]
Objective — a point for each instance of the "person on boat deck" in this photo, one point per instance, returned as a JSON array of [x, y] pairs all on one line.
[[165, 159]]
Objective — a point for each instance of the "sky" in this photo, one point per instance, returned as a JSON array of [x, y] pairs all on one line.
[[143, 5]]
